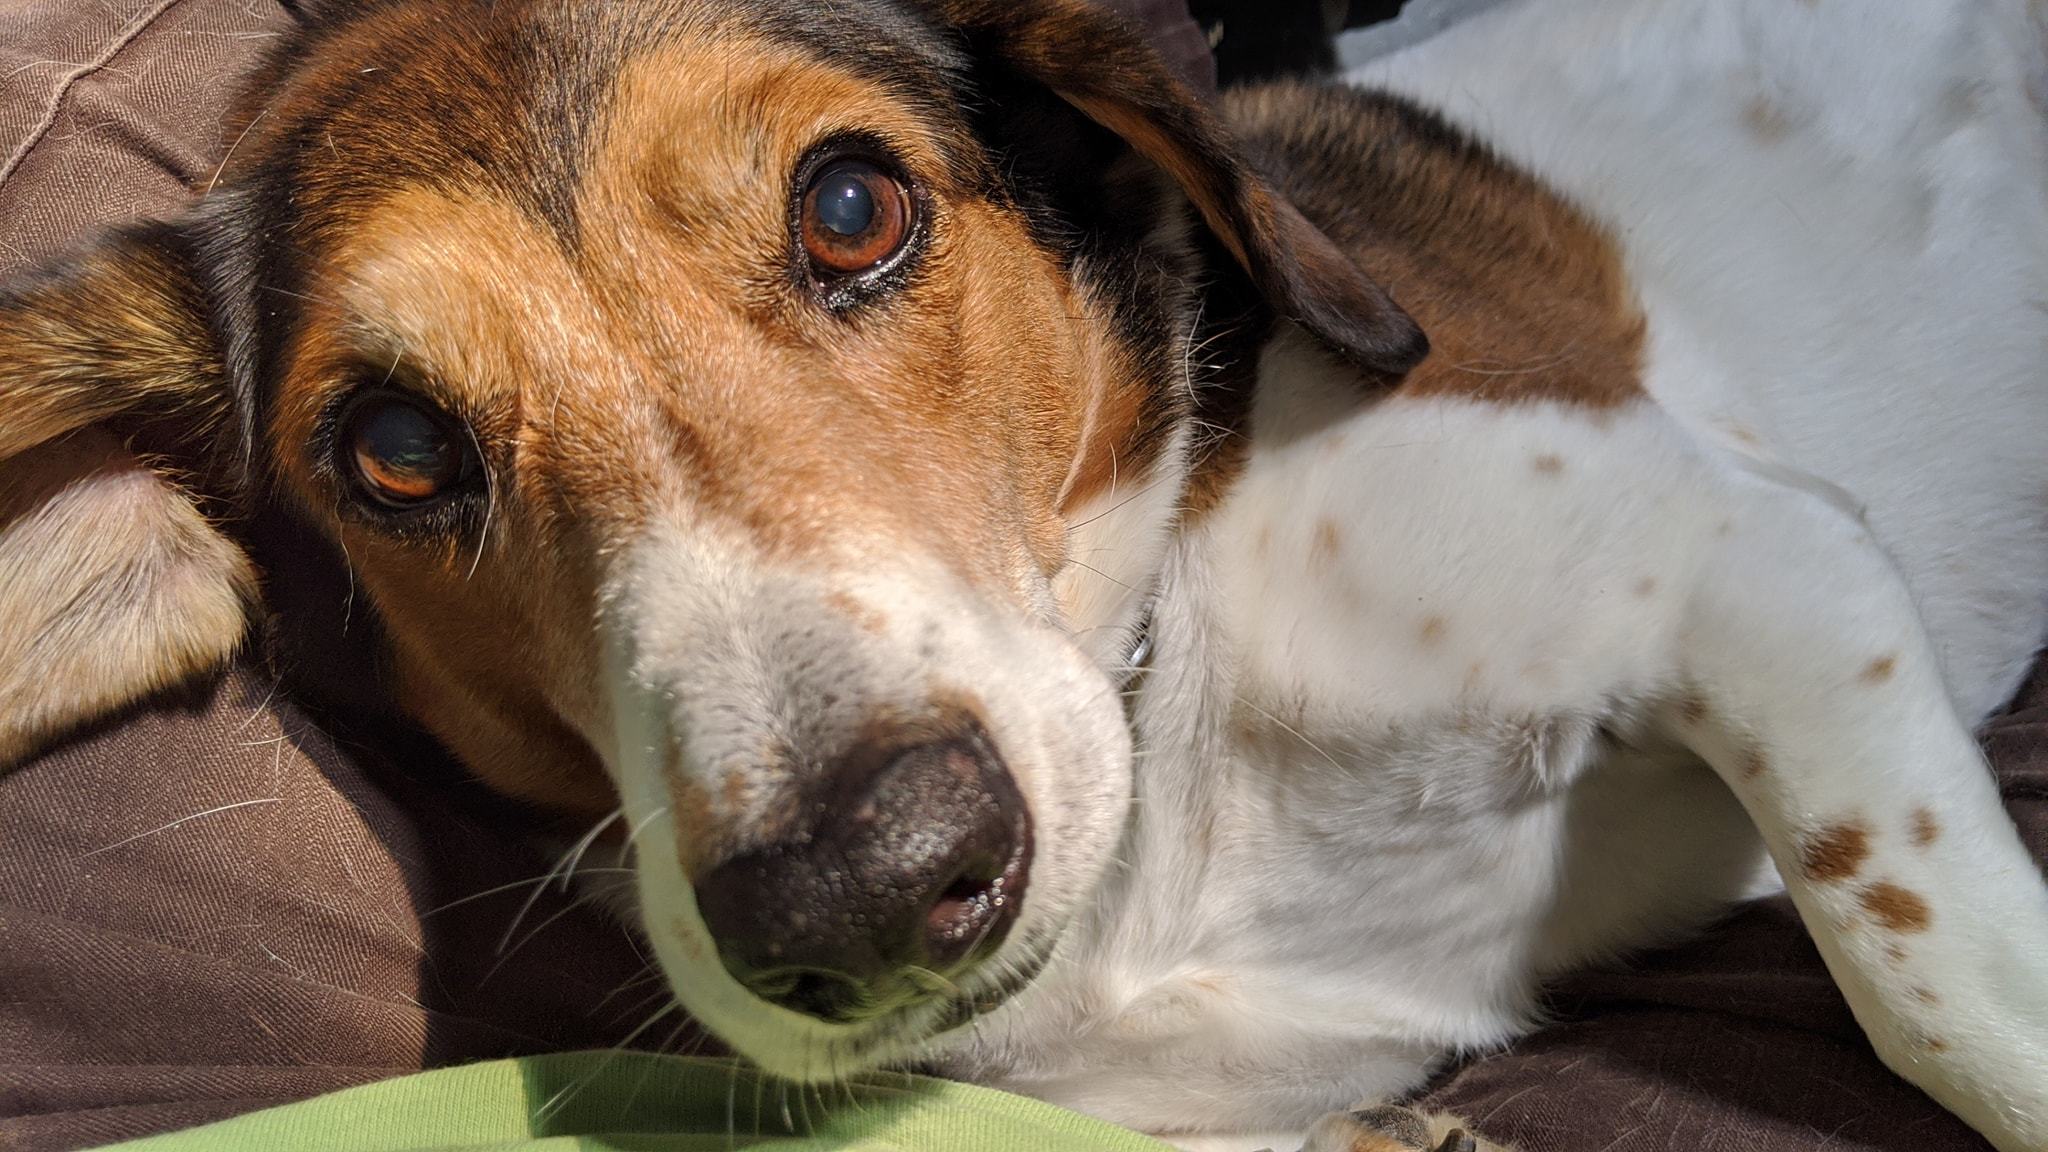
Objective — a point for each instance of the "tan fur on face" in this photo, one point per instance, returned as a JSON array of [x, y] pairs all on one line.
[[667, 364]]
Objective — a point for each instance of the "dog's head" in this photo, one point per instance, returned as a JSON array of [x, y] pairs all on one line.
[[764, 415]]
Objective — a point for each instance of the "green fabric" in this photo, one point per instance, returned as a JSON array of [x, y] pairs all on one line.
[[638, 1102]]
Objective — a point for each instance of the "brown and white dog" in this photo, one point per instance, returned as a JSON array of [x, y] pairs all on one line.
[[971, 511]]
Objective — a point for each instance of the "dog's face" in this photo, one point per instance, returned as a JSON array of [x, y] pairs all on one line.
[[736, 413]]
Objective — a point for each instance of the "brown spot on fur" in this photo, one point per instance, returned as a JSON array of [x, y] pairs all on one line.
[[1549, 464], [1768, 123], [1433, 629], [1896, 908], [863, 617], [1646, 587], [1474, 676], [1934, 1044], [1925, 830], [1693, 710], [1879, 670], [1926, 995], [1835, 853], [1323, 552], [1895, 954], [1754, 763]]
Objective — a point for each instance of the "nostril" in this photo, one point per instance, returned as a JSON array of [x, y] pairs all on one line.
[[967, 911]]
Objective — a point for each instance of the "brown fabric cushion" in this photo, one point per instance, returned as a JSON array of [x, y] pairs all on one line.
[[209, 906], [114, 109]]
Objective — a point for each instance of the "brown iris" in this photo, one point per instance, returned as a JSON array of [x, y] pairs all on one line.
[[404, 454], [855, 216]]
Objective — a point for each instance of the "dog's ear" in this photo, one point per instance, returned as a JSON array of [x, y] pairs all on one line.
[[113, 584], [1098, 63]]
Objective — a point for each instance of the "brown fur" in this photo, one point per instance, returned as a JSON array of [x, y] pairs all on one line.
[[116, 333], [1523, 297], [1925, 828], [1835, 853], [1897, 909]]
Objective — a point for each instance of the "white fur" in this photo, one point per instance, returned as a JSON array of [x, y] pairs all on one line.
[[1358, 849]]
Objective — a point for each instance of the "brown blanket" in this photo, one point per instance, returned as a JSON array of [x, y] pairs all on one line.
[[209, 906]]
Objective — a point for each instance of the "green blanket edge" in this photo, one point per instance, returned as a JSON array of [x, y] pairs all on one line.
[[643, 1102]]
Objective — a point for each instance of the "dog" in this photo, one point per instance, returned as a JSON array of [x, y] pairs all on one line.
[[1190, 612]]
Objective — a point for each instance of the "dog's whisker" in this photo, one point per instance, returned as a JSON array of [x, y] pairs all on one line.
[[633, 833], [642, 1003], [646, 974], [732, 1104], [514, 885], [567, 1092], [583, 845], [506, 954], [483, 537], [575, 851], [1291, 730], [179, 822], [1141, 490]]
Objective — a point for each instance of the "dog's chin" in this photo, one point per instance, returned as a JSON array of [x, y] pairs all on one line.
[[798, 1048], [910, 1039]]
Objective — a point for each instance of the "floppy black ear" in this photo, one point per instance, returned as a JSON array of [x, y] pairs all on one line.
[[113, 584], [1098, 63]]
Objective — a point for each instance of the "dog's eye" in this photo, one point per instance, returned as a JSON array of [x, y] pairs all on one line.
[[854, 217], [404, 454]]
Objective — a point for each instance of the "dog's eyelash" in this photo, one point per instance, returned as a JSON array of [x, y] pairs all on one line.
[[461, 516]]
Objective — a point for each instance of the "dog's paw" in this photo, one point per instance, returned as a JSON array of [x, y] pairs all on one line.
[[1392, 1128]]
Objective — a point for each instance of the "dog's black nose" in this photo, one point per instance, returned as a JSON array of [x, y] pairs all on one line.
[[906, 873]]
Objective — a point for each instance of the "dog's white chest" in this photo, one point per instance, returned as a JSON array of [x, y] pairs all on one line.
[[1375, 758]]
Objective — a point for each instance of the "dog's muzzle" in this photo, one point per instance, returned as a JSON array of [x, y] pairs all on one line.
[[909, 867]]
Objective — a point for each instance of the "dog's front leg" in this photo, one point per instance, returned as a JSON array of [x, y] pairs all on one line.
[[1813, 690]]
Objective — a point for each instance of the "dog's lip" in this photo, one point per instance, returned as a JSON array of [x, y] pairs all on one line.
[[1015, 977], [912, 1045]]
